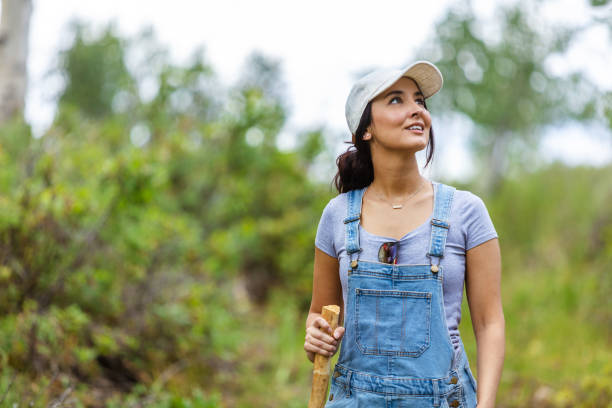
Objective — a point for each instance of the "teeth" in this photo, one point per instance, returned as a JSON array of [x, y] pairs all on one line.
[[416, 127]]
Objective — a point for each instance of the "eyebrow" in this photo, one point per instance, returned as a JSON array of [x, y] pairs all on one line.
[[397, 92]]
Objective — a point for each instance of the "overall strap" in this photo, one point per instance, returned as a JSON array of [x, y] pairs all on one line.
[[351, 222], [439, 223]]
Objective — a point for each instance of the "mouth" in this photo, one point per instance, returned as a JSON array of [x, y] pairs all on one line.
[[417, 127]]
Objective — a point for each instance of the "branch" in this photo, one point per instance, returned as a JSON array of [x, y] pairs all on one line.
[[60, 401]]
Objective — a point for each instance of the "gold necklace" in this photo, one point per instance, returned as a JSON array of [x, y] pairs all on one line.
[[400, 206]]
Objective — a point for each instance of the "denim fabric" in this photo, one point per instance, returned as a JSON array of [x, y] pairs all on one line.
[[470, 225], [396, 350]]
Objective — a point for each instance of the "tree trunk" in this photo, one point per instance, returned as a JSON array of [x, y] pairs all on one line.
[[14, 34]]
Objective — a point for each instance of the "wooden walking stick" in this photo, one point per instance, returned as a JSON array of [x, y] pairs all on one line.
[[320, 371]]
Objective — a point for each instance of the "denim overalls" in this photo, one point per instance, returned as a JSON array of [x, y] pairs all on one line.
[[396, 351]]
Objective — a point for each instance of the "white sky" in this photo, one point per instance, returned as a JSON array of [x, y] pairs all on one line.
[[321, 44]]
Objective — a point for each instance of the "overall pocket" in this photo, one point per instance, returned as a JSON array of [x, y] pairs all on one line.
[[392, 322]]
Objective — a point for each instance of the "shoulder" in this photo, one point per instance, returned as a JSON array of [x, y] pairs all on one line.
[[470, 222], [462, 197], [467, 205], [466, 199], [328, 238], [335, 210], [337, 205]]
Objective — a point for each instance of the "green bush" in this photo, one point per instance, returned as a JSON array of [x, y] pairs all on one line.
[[125, 234], [159, 252]]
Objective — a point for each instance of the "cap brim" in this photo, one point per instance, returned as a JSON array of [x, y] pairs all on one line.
[[427, 76]]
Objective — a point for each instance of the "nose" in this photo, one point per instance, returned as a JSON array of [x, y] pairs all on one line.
[[415, 110]]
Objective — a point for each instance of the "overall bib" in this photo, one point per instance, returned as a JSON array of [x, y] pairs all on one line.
[[396, 350]]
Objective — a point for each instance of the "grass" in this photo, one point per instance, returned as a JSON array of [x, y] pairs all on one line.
[[558, 351], [553, 347], [551, 341]]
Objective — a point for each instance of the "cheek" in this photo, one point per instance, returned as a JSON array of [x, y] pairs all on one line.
[[394, 119], [386, 120], [427, 118]]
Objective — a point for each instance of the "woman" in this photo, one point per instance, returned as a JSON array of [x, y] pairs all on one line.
[[396, 249]]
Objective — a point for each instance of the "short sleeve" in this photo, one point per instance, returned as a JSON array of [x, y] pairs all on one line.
[[325, 232], [477, 222]]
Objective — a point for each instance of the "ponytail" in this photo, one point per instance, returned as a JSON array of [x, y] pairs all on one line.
[[355, 168]]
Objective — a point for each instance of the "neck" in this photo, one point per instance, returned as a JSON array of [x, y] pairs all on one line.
[[395, 174]]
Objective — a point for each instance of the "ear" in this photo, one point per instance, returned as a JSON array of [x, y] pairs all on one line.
[[367, 135]]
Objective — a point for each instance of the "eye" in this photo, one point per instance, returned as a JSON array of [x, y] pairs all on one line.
[[420, 101], [395, 98]]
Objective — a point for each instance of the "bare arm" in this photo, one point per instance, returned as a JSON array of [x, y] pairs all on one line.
[[483, 281], [326, 290]]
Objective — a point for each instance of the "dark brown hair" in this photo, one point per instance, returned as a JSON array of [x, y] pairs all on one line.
[[355, 168]]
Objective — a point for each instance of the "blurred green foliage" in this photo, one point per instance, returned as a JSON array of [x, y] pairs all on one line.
[[555, 229], [95, 72], [156, 245], [496, 73], [135, 232]]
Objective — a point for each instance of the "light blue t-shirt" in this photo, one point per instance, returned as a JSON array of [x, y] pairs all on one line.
[[470, 224]]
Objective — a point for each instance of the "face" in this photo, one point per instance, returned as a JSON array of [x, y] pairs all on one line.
[[399, 118]]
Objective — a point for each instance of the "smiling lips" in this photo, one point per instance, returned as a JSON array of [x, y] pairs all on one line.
[[416, 127]]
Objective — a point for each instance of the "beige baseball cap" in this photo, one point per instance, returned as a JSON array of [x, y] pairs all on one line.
[[427, 76]]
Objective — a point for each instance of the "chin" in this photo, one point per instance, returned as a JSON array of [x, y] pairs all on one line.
[[415, 146]]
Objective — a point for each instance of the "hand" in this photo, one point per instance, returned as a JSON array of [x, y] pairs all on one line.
[[321, 340]]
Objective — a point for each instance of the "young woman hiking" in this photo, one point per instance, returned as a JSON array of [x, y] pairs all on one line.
[[394, 250]]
